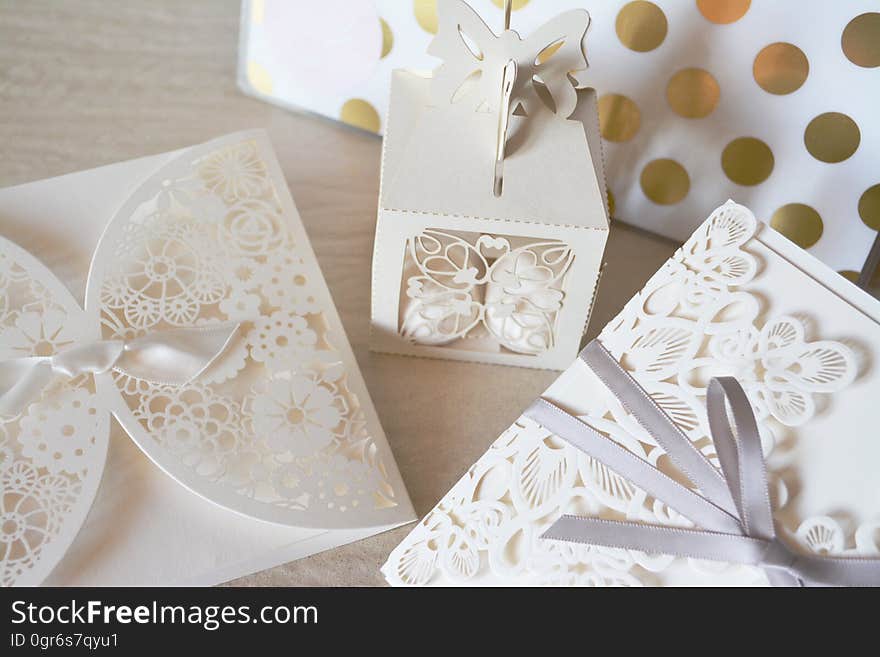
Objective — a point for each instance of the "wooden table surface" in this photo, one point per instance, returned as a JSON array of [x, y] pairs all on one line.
[[89, 82]]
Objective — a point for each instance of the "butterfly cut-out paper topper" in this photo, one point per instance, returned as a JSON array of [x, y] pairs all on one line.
[[548, 61], [208, 332], [504, 74]]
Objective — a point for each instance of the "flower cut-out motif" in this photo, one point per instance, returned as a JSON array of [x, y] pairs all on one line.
[[281, 339], [241, 307], [254, 227], [193, 422], [284, 283], [32, 509], [780, 370], [168, 276], [235, 173], [73, 415], [299, 415], [39, 332], [455, 285]]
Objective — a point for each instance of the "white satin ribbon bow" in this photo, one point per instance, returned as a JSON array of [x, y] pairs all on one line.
[[173, 357], [732, 506]]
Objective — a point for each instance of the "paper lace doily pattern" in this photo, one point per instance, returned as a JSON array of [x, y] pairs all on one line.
[[483, 286], [52, 453], [690, 322], [276, 428]]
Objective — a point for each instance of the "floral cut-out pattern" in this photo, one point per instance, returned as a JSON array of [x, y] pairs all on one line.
[[52, 452], [464, 285], [274, 428]]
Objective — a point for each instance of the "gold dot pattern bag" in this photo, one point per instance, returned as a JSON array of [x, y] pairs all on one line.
[[772, 104]]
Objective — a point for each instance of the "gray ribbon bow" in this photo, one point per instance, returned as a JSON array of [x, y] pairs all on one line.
[[733, 506], [174, 356]]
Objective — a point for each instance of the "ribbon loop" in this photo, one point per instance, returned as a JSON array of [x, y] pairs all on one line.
[[636, 401], [172, 357], [94, 357], [738, 524], [175, 356], [740, 454]]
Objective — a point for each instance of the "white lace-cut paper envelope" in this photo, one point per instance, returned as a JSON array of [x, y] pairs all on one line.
[[274, 452], [738, 300]]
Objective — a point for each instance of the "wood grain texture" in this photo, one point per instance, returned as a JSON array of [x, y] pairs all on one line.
[[89, 82]]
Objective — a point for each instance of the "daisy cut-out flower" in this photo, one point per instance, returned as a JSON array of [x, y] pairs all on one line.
[[36, 333], [299, 415], [235, 173]]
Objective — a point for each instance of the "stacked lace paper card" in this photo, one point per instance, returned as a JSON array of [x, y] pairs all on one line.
[[736, 300], [209, 333]]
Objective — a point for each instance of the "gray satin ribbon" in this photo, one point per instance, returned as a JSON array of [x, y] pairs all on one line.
[[173, 357], [733, 506]]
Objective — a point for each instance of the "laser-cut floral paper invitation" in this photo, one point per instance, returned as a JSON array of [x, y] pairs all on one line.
[[274, 428], [736, 300]]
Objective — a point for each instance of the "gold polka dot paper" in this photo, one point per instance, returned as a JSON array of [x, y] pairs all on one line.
[[772, 104]]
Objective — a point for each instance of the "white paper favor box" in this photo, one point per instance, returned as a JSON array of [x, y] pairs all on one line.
[[473, 266], [736, 300]]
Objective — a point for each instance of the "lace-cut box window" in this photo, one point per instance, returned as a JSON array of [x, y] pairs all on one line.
[[478, 256], [480, 292]]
